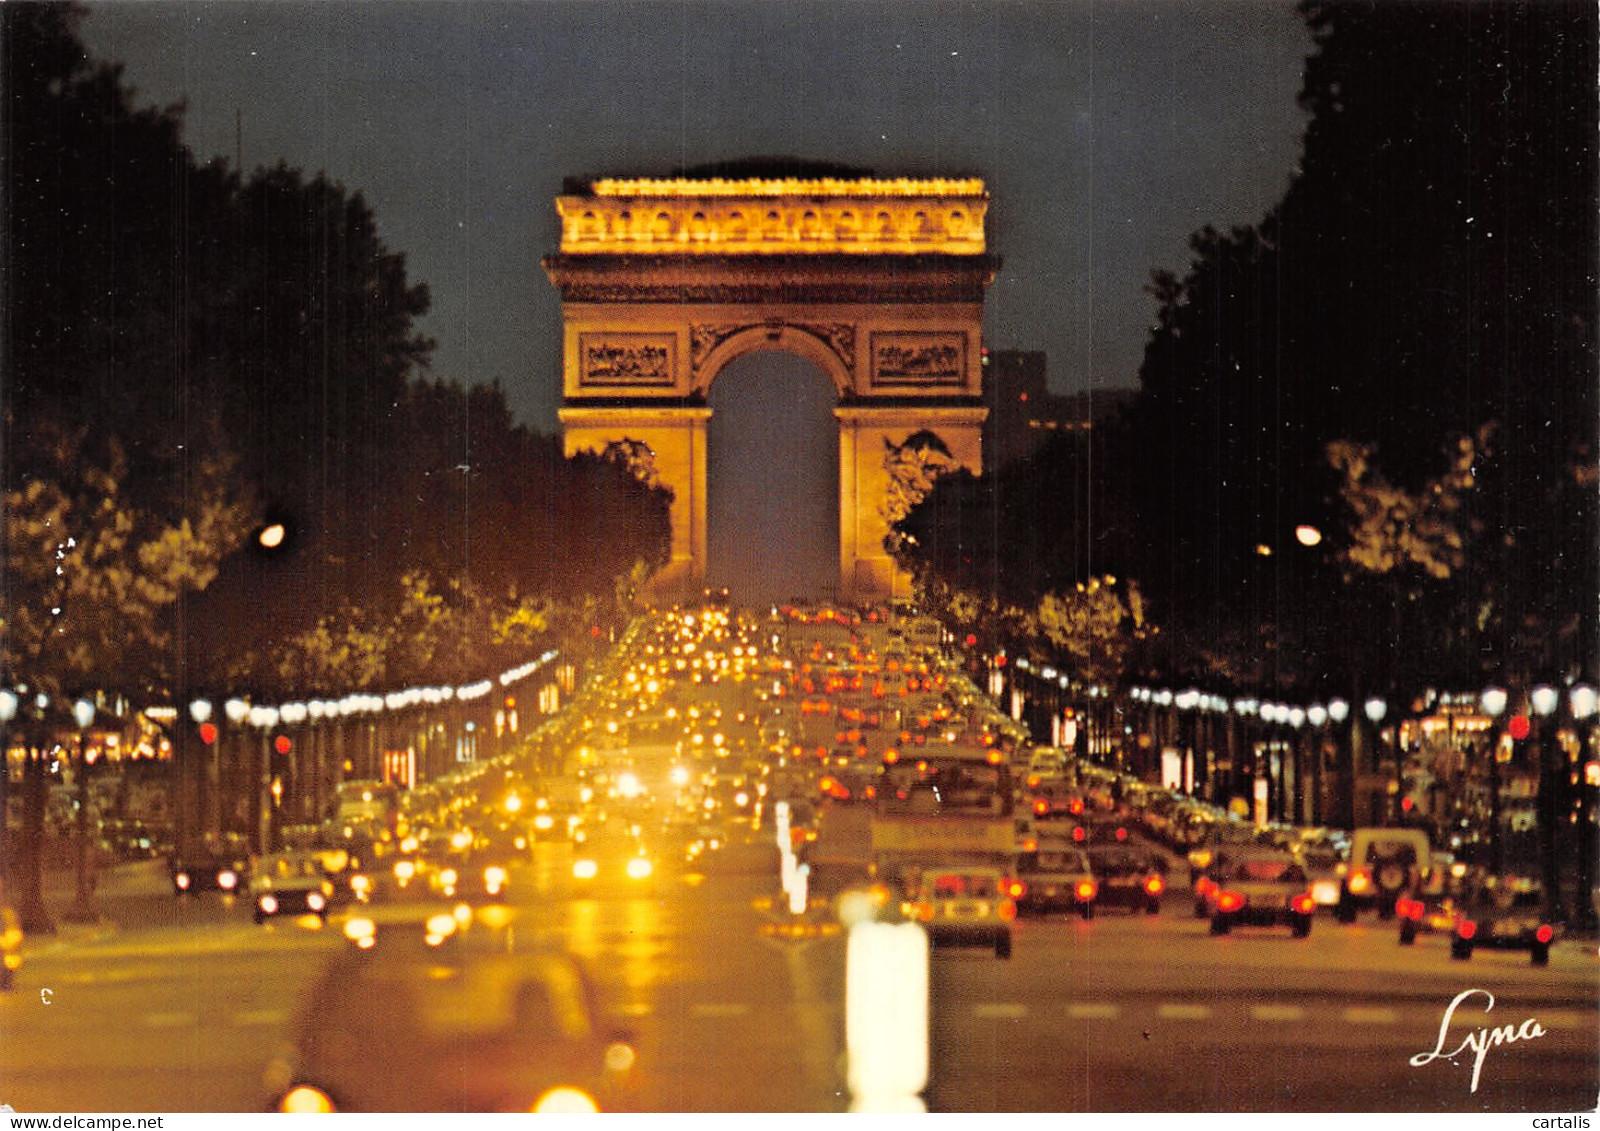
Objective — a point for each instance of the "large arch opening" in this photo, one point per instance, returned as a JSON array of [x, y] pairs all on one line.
[[772, 465]]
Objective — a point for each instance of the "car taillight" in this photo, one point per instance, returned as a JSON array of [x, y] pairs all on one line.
[[1204, 885], [1007, 909], [1545, 933], [1302, 904], [1122, 834], [316, 902], [1041, 806], [227, 881], [1154, 885], [923, 910], [1016, 889], [1086, 890], [1229, 901], [181, 880], [1076, 807], [1078, 834], [269, 904], [1466, 928], [1359, 882], [1408, 908]]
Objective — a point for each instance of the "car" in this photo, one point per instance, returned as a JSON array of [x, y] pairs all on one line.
[[1255, 887], [1383, 864], [606, 855], [1325, 867], [1055, 878], [963, 906], [1215, 836], [1128, 877], [290, 883], [473, 1019], [10, 946], [221, 864], [474, 877], [1480, 910]]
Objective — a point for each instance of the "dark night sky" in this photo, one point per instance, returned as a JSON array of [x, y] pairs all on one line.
[[1107, 133]]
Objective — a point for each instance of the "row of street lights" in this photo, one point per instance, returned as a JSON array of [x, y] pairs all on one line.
[[239, 712]]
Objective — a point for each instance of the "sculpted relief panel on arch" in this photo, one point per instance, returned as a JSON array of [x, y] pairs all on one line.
[[627, 359]]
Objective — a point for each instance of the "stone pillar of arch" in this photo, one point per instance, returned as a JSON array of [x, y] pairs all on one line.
[[879, 283]]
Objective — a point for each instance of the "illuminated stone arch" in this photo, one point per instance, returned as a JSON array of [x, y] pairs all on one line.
[[664, 283]]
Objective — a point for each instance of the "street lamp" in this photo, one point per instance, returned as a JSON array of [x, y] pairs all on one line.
[[1544, 700], [1581, 701], [83, 910]]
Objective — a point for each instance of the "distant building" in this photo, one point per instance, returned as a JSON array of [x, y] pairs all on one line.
[[1024, 414]]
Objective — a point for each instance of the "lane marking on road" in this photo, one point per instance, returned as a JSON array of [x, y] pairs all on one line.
[[1371, 1015], [1277, 1012], [1179, 1012], [169, 1020], [1008, 1010], [261, 1017], [719, 1009], [1563, 1018], [1092, 1009]]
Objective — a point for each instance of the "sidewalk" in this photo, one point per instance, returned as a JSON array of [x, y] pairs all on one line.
[[115, 886]]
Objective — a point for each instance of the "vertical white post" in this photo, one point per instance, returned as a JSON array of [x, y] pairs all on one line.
[[886, 1016]]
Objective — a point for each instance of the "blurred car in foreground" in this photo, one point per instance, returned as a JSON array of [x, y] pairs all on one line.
[[290, 883], [469, 1022], [1255, 887]]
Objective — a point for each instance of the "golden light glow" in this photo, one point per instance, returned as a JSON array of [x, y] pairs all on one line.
[[757, 216], [787, 186]]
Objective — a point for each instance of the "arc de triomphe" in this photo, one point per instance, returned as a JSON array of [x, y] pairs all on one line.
[[878, 282]]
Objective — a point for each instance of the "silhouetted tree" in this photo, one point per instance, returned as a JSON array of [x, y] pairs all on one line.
[[1429, 274]]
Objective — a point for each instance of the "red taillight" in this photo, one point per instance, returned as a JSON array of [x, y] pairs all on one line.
[[1545, 933], [1204, 885], [1466, 928], [1041, 806], [924, 910], [1007, 909], [1086, 890], [1122, 834], [1078, 834], [1076, 807], [1016, 889], [1302, 904], [1229, 901], [1154, 885]]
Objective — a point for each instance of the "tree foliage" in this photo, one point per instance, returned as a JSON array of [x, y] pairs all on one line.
[[1428, 276]]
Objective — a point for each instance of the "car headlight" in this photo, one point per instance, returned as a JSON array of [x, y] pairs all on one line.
[[304, 1099], [639, 868], [571, 1101], [227, 880], [585, 869]]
